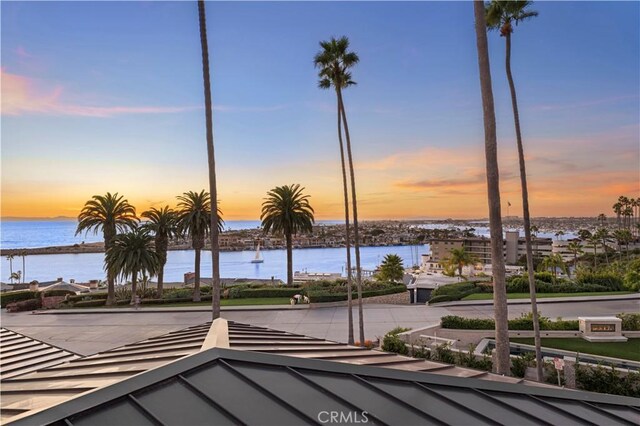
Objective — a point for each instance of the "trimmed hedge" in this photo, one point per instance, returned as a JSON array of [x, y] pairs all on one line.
[[268, 292], [165, 301], [25, 305], [88, 296], [322, 297], [16, 296], [443, 298], [522, 323], [87, 303]]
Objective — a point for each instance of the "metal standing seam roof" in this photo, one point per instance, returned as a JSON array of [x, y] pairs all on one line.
[[225, 386], [50, 386], [20, 354]]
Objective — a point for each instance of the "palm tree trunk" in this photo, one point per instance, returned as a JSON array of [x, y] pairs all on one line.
[[525, 213], [289, 259], [347, 238], [134, 287], [160, 289], [196, 278], [356, 234], [213, 188], [111, 282], [493, 187], [23, 270]]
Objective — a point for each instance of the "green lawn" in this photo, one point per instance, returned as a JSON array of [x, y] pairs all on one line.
[[625, 350], [489, 296]]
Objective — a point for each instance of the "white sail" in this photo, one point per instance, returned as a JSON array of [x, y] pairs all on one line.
[[258, 258]]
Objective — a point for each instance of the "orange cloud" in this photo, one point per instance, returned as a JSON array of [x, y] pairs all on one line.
[[22, 95]]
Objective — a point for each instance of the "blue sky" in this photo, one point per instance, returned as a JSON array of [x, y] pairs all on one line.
[[104, 96]]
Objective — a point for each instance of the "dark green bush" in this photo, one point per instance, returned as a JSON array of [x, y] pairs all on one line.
[[544, 276], [322, 297], [520, 363], [630, 322], [392, 343], [524, 322], [16, 296], [88, 296], [24, 305], [443, 298], [611, 281], [461, 323], [443, 353], [607, 380], [88, 303], [165, 301], [269, 292]]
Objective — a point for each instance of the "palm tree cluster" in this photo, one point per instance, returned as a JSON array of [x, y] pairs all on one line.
[[627, 212], [135, 250]]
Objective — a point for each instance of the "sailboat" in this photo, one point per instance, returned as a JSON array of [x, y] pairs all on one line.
[[258, 258]]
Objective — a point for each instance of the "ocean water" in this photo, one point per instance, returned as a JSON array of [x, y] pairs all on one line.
[[88, 266], [47, 233]]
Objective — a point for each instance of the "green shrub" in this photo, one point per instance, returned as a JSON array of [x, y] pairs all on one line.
[[544, 276], [392, 343], [443, 298], [88, 303], [16, 296], [453, 289], [520, 363], [630, 322], [605, 380], [611, 281], [24, 305], [322, 297], [443, 353], [524, 322], [468, 359], [177, 293], [269, 292], [461, 323], [421, 352], [165, 301], [88, 296]]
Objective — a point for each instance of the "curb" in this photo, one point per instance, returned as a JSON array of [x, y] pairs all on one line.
[[541, 300], [158, 310]]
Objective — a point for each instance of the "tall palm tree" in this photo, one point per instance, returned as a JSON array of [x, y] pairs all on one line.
[[553, 262], [23, 254], [334, 76], [604, 236], [459, 258], [132, 254], [162, 223], [602, 219], [334, 62], [493, 194], [594, 239], [215, 220], [575, 248], [286, 211], [194, 221], [10, 259], [109, 213], [501, 15]]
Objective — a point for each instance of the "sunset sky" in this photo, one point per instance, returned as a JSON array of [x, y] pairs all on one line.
[[107, 96]]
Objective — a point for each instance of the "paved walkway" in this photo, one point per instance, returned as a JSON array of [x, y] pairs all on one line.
[[88, 333]]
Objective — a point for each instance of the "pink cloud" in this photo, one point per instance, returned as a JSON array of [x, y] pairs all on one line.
[[22, 53], [24, 96]]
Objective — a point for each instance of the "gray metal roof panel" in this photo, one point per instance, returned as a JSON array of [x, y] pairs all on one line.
[[257, 388]]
